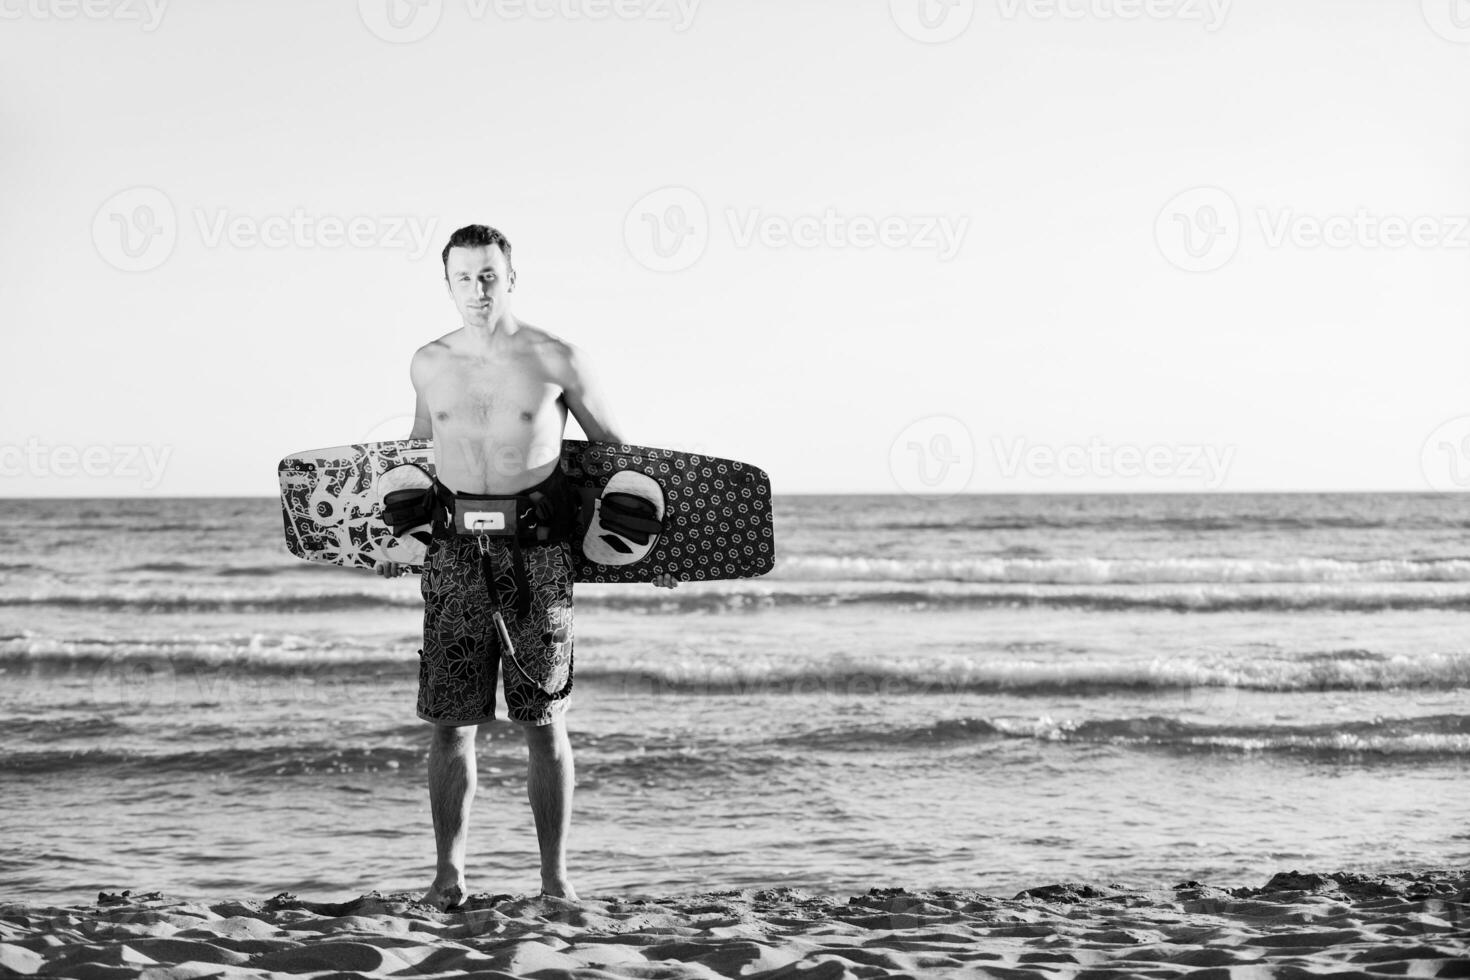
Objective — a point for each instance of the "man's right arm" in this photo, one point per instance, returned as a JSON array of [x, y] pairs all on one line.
[[423, 428]]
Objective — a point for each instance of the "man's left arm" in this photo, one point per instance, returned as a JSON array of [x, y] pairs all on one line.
[[585, 398]]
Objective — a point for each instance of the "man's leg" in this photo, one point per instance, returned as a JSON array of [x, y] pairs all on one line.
[[549, 781], [451, 793]]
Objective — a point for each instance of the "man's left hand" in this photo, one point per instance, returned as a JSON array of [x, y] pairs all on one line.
[[666, 581]]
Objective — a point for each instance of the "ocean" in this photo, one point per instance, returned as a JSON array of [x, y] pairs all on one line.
[[981, 692]]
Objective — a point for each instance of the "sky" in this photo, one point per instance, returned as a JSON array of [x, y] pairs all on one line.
[[873, 246]]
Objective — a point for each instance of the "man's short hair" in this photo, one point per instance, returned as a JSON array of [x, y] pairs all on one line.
[[477, 236]]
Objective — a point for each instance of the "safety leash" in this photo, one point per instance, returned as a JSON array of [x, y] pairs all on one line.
[[487, 569]]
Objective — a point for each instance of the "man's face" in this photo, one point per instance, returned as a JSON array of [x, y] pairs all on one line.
[[479, 279]]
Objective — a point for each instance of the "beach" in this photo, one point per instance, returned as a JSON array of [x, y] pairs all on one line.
[[1295, 925], [949, 701]]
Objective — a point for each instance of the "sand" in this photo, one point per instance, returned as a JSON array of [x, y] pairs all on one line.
[[1296, 925]]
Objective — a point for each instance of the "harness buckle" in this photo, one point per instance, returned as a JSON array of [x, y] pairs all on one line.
[[486, 516]]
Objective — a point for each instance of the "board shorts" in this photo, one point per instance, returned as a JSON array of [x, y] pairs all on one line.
[[462, 650]]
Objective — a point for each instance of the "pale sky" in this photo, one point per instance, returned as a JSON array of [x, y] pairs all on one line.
[[872, 246]]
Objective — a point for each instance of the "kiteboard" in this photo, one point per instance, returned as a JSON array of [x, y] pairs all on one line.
[[713, 514]]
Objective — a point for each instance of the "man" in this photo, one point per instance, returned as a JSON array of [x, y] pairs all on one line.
[[494, 396]]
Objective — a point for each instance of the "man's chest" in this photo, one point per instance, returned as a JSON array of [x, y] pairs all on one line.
[[477, 392]]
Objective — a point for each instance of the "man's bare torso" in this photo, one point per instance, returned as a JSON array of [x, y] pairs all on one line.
[[497, 411]]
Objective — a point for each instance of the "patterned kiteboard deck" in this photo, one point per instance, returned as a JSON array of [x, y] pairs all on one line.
[[717, 511]]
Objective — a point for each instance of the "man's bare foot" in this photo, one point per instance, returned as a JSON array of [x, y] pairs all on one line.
[[559, 888], [446, 896]]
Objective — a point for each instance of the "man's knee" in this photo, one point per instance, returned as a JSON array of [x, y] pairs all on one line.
[[455, 736], [548, 739]]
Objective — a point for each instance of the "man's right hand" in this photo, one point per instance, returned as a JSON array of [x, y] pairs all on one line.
[[390, 569]]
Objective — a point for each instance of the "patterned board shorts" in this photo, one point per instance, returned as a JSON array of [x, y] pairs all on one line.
[[462, 654]]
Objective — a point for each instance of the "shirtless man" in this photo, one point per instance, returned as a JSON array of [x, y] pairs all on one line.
[[494, 396]]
